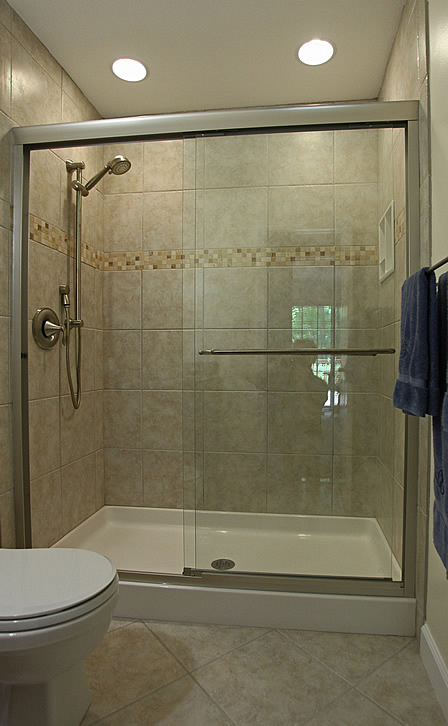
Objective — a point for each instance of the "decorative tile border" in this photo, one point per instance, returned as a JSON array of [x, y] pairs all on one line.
[[51, 236], [55, 238]]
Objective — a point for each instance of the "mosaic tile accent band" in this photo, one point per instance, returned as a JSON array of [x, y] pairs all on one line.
[[55, 238]]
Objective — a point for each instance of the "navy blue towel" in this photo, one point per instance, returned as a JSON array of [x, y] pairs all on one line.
[[417, 387], [440, 434]]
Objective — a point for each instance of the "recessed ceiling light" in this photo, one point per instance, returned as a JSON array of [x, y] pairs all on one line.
[[315, 52], [129, 70]]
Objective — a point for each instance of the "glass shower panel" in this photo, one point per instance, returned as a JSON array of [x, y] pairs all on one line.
[[291, 454]]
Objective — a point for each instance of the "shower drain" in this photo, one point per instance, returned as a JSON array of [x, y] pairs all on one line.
[[223, 564]]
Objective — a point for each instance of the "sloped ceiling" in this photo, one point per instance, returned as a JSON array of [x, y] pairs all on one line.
[[210, 54]]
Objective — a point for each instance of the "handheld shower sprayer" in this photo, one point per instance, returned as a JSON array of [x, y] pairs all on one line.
[[118, 165]]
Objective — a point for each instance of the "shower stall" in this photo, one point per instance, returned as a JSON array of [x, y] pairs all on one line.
[[236, 452]]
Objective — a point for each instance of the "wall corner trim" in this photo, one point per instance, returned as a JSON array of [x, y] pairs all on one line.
[[435, 667]]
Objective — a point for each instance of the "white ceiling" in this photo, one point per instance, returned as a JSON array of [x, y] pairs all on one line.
[[210, 54]]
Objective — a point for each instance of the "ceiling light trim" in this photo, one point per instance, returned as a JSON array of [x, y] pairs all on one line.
[[316, 51], [129, 70]]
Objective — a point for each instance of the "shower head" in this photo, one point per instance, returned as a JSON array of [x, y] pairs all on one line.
[[118, 165]]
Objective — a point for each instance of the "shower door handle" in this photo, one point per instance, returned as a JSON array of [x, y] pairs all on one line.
[[301, 351]]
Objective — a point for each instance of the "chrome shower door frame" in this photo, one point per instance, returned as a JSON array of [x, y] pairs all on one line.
[[183, 125]]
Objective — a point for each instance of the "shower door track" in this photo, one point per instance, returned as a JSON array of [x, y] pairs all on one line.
[[391, 114]]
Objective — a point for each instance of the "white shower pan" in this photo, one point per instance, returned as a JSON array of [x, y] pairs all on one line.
[[146, 539]]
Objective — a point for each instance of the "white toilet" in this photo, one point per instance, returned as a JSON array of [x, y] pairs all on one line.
[[55, 607]]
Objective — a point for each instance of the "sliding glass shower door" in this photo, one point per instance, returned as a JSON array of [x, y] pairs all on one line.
[[297, 454]]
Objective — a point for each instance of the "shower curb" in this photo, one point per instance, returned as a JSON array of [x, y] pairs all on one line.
[[260, 608]]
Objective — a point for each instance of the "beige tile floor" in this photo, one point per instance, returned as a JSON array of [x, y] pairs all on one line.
[[147, 672]]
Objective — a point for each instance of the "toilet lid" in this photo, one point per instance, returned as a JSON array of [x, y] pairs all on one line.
[[37, 582]]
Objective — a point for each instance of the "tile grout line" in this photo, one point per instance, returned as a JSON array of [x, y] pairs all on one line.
[[218, 657], [186, 674]]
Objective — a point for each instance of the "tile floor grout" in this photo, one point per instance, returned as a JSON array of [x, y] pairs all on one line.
[[192, 645]]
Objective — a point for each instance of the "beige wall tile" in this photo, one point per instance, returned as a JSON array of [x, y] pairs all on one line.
[[4, 271], [35, 48], [43, 369], [78, 428], [399, 446], [384, 503], [5, 394], [99, 361], [75, 106], [30, 84], [162, 359], [162, 420], [162, 299], [356, 297], [294, 373], [387, 301], [122, 359], [301, 215], [297, 424], [5, 450], [44, 436], [45, 183], [49, 270], [387, 362], [301, 158], [46, 509], [123, 222], [90, 216], [299, 484], [123, 482], [386, 431], [5, 13], [5, 70], [122, 300], [356, 156], [162, 479], [99, 492], [235, 298], [245, 373], [356, 221], [385, 170], [5, 157], [88, 307], [5, 214], [122, 419], [360, 374], [78, 481], [295, 287], [235, 218], [162, 165], [236, 161], [88, 363], [357, 425], [235, 422], [7, 522], [162, 220], [399, 156], [355, 481], [235, 482], [397, 522]]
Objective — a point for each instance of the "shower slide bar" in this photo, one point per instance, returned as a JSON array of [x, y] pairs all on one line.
[[302, 351]]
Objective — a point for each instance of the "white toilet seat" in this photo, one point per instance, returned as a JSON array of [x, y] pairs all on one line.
[[80, 582]]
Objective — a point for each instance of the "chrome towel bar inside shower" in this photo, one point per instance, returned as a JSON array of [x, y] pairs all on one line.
[[301, 351]]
